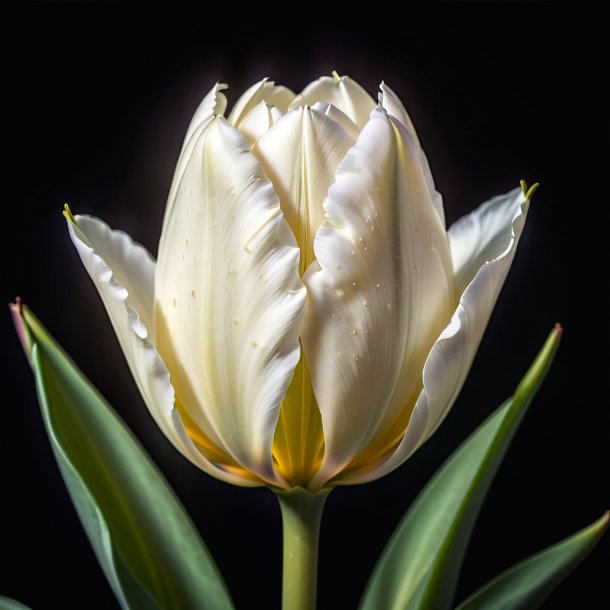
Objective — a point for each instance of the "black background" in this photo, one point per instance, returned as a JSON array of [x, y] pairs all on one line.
[[96, 100]]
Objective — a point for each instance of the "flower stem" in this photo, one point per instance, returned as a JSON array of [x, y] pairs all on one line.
[[301, 516]]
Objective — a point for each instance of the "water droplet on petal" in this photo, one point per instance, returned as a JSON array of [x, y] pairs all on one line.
[[354, 332]]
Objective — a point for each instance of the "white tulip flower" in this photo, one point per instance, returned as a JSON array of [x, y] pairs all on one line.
[[309, 320]]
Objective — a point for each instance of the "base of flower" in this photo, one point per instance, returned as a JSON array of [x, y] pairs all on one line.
[[301, 517]]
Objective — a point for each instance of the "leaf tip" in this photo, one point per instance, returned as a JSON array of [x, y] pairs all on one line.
[[21, 329]]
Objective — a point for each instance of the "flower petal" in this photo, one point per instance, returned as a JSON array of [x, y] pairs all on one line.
[[214, 103], [300, 155], [263, 91], [123, 273], [382, 295], [258, 120], [340, 91], [484, 235], [490, 235], [391, 102], [332, 112], [228, 298]]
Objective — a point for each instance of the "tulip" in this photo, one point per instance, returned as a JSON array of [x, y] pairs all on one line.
[[309, 321]]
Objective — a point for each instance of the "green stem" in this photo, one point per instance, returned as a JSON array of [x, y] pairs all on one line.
[[301, 516]]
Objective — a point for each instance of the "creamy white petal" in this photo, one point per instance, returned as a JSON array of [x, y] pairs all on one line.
[[332, 112], [483, 235], [450, 359], [300, 155], [381, 296], [263, 91], [391, 102], [258, 120], [342, 92], [214, 103], [229, 300], [123, 273]]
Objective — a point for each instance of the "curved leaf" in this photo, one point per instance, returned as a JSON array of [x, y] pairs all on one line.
[[420, 565], [147, 546], [526, 585], [6, 603]]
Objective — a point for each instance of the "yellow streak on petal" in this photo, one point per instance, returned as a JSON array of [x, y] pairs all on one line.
[[298, 445], [188, 406], [209, 449], [384, 444]]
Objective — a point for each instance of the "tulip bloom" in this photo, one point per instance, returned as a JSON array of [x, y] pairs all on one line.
[[309, 321]]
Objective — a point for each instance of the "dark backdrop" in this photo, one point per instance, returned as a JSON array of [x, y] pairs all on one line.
[[96, 100]]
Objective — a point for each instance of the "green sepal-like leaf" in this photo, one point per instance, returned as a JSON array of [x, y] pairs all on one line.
[[526, 585], [419, 566], [6, 603], [146, 544]]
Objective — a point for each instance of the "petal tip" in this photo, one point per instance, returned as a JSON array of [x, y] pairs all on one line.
[[67, 212], [528, 192]]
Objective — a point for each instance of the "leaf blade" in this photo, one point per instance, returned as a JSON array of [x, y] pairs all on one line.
[[149, 549], [6, 603], [527, 584], [420, 565]]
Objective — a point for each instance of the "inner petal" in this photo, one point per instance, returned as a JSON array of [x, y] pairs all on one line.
[[340, 91], [300, 155]]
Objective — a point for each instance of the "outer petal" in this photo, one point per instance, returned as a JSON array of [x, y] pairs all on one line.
[[263, 91], [391, 102], [382, 295], [229, 300], [340, 91], [483, 246], [214, 103], [123, 273], [300, 155]]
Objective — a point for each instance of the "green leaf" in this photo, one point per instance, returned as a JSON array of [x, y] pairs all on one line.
[[526, 585], [146, 544], [6, 603], [420, 565]]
